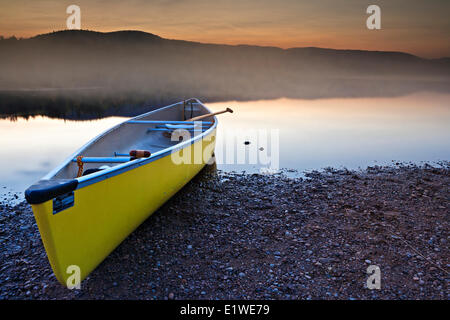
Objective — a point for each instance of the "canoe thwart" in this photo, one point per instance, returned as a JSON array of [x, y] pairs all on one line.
[[118, 154], [118, 157]]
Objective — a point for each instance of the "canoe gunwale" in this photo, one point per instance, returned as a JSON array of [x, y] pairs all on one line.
[[90, 179]]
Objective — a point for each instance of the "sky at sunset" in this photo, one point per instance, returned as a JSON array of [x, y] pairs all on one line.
[[416, 26]]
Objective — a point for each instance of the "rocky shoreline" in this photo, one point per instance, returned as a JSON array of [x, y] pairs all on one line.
[[238, 236]]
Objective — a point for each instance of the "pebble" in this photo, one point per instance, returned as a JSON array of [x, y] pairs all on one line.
[[313, 252]]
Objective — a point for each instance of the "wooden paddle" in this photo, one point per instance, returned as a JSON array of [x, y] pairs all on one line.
[[168, 134], [210, 115]]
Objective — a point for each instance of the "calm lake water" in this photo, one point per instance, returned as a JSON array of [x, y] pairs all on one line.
[[312, 134]]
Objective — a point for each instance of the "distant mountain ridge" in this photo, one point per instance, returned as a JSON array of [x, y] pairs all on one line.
[[96, 35], [135, 35], [134, 66]]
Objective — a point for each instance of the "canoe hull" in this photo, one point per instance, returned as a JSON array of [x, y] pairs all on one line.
[[106, 212]]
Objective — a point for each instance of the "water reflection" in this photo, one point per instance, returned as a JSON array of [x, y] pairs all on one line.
[[29, 149], [350, 132], [347, 132]]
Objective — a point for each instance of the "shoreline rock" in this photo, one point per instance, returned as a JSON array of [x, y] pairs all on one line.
[[263, 237]]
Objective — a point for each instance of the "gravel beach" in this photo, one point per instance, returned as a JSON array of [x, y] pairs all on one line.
[[240, 236]]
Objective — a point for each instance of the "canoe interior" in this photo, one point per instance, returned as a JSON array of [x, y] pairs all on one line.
[[133, 136]]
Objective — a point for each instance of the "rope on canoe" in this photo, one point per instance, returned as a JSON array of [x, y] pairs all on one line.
[[80, 166]]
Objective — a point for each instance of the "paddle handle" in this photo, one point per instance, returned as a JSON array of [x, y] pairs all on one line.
[[210, 115]]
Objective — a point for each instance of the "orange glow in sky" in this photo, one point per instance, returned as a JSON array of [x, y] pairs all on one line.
[[415, 26]]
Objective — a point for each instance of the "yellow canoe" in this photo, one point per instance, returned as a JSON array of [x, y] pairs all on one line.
[[82, 219]]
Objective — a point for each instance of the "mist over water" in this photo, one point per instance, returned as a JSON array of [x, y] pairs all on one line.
[[91, 75]]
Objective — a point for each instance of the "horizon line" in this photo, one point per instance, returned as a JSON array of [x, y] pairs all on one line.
[[223, 44]]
